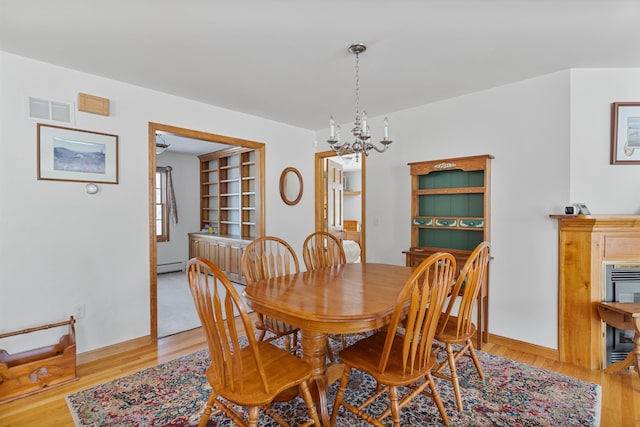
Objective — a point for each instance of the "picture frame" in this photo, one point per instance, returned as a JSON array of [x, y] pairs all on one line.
[[625, 133], [67, 154]]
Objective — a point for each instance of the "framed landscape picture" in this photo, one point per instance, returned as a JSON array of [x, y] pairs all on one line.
[[66, 154], [625, 133]]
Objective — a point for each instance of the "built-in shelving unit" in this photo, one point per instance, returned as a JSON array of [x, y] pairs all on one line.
[[225, 252], [229, 193], [230, 183]]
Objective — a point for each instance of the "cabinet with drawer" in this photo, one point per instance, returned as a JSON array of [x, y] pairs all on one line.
[[224, 251]]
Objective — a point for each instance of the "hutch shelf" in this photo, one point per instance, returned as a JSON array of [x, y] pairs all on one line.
[[450, 212]]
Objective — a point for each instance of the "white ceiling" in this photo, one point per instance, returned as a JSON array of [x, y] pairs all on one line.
[[183, 145], [287, 60], [195, 147]]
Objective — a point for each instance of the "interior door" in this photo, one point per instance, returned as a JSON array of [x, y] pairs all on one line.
[[322, 195], [334, 194]]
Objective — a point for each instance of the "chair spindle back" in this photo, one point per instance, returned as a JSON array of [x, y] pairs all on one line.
[[322, 249], [419, 306], [268, 257], [217, 301], [468, 285]]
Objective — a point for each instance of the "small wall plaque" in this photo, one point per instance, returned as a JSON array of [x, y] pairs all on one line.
[[93, 104]]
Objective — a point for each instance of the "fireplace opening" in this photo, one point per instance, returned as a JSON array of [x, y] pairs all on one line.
[[622, 284]]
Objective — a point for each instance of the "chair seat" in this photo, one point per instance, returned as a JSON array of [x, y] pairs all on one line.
[[283, 371], [365, 356], [449, 333]]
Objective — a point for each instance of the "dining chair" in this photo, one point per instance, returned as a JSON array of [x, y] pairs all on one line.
[[322, 249], [265, 258], [402, 357], [252, 375], [459, 330]]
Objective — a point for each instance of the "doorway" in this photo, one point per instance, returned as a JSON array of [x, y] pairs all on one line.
[[327, 203], [217, 142]]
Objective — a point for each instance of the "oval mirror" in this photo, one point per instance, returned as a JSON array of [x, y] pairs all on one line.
[[291, 186]]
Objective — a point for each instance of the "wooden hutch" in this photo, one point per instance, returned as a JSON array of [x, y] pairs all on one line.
[[450, 211]]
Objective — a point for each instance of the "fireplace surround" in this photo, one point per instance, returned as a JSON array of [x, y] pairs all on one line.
[[587, 243]]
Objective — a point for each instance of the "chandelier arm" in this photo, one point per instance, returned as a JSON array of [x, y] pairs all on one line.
[[346, 149], [385, 145]]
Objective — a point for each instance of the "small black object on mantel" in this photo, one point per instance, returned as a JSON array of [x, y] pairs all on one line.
[[577, 208]]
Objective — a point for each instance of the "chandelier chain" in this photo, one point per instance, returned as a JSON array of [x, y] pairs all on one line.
[[357, 84]]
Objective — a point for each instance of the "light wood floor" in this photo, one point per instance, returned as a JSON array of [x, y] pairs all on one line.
[[620, 399]]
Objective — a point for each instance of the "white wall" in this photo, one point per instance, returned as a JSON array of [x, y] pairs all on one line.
[[605, 188], [60, 247], [186, 181], [551, 138], [525, 127]]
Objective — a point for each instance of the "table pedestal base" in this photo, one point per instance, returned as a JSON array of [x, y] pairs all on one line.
[[314, 352]]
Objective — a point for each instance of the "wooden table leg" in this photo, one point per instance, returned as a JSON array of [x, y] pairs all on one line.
[[482, 309], [622, 321], [636, 345], [314, 352]]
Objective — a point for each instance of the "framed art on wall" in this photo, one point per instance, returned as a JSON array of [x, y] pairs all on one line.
[[625, 133], [66, 154]]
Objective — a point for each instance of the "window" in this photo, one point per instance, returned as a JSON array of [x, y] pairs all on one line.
[[162, 207]]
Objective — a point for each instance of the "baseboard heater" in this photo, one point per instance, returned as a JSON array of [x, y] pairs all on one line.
[[170, 267]]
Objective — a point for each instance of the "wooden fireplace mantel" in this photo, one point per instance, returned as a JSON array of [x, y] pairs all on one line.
[[585, 242]]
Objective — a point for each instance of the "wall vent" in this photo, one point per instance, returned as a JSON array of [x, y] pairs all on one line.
[[47, 110]]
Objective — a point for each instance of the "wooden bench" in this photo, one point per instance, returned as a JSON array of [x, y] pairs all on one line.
[[623, 315]]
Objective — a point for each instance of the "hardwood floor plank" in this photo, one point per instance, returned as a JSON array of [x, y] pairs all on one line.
[[620, 392]]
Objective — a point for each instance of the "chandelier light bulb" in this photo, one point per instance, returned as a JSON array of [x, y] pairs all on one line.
[[332, 128], [386, 129], [364, 122]]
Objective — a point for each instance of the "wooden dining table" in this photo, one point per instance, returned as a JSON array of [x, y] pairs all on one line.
[[343, 299]]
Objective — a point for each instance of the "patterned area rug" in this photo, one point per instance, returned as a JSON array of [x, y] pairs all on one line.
[[513, 394]]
